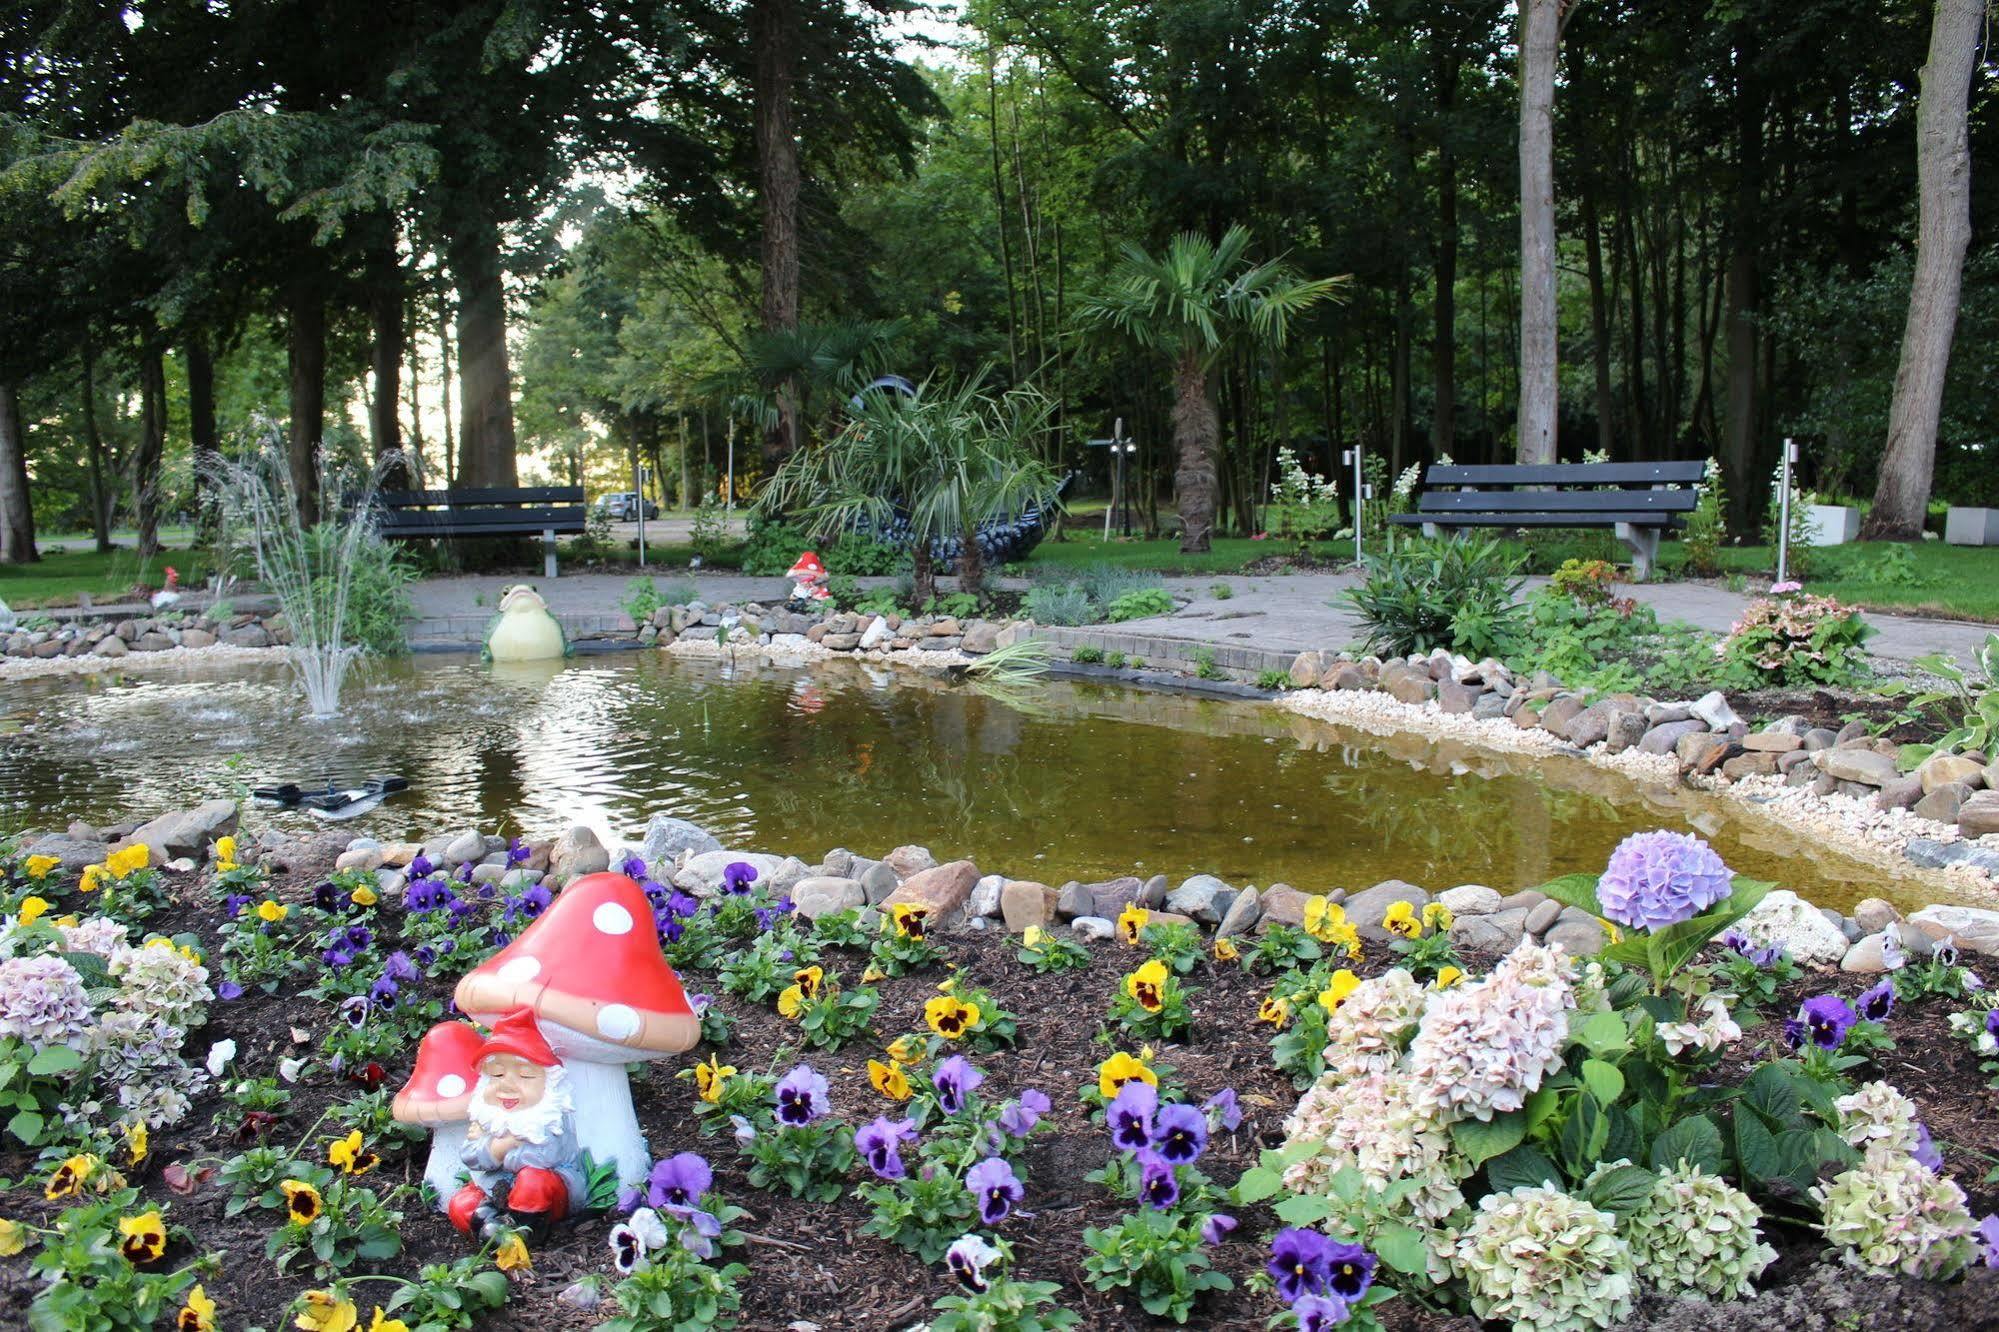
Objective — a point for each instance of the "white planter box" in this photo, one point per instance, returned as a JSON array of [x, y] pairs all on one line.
[[1971, 527], [1833, 524]]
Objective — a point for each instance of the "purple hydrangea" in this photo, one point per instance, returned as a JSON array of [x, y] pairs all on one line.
[[1658, 879], [679, 1181], [996, 1187], [801, 1097], [880, 1145], [229, 989]]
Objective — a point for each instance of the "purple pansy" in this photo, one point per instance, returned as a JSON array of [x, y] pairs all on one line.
[[1179, 1134], [1224, 1115], [1158, 1186], [518, 851], [880, 1145], [801, 1097], [1658, 879], [967, 1258], [633, 868], [1129, 1115], [1878, 1001], [1320, 1313], [1019, 1117], [1217, 1228], [420, 865], [1351, 1271], [1301, 1263], [679, 1181], [1925, 1153], [1992, 1023], [737, 876], [236, 903], [528, 904], [229, 989], [1827, 1018], [955, 1079], [1762, 956], [997, 1189], [1988, 1240]]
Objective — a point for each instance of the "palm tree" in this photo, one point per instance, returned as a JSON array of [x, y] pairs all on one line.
[[945, 462], [1189, 304]]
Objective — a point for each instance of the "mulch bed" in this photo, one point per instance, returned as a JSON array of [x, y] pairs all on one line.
[[812, 1267]]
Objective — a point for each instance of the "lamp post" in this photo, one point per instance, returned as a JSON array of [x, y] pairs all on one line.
[[1121, 451], [1352, 456], [1784, 510]]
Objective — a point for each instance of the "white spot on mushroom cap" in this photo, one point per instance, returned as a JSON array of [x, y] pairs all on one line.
[[450, 1085], [517, 969], [618, 1022], [611, 918]]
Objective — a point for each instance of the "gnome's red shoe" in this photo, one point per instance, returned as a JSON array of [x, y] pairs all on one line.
[[463, 1204], [538, 1196]]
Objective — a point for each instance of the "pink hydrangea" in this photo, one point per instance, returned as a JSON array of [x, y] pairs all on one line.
[[43, 1002]]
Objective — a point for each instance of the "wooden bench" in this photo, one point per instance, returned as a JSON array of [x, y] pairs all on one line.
[[524, 511], [1631, 499]]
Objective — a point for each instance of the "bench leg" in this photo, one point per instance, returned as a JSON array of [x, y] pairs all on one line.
[[1644, 543], [1431, 531], [548, 551]]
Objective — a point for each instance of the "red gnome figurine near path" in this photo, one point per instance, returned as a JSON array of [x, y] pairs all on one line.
[[522, 1133]]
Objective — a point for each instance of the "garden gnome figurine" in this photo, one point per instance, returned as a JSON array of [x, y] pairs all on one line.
[[525, 631], [808, 582], [522, 1133]]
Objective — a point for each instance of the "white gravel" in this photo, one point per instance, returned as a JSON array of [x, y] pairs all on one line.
[[32, 668]]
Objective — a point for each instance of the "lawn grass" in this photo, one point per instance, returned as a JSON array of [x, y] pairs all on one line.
[[1951, 582], [59, 576], [1229, 555]]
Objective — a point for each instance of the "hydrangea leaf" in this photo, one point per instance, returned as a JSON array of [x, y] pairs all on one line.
[[1303, 1209], [1694, 1140], [1525, 1167], [1481, 1140], [55, 1059], [1402, 1248], [1604, 1081], [1604, 1033], [1257, 1184], [1576, 890], [1622, 1189]]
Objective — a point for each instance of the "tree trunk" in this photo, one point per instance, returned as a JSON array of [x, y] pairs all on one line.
[[1444, 346], [205, 444], [152, 447], [922, 575], [1747, 491], [93, 447], [1195, 430], [1943, 185], [305, 347], [385, 431], [1599, 324], [450, 449], [485, 387], [971, 563], [17, 515], [1540, 32], [774, 37]]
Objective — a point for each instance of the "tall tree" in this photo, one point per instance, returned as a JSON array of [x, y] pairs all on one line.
[[17, 516], [1540, 35], [1943, 183], [774, 38]]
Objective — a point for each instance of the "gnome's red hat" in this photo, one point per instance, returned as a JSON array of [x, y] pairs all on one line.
[[517, 1034]]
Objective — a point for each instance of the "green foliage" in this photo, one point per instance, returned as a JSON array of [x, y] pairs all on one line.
[[1204, 665], [710, 533], [1220, 591], [1064, 604], [1707, 525], [864, 555], [450, 1297], [1452, 593], [1046, 952], [1139, 605], [641, 599], [922, 1212], [772, 547], [1272, 678], [808, 1161], [1086, 655], [1964, 702], [1663, 952], [1157, 1256], [378, 598], [1794, 640], [88, 1283], [33, 1084]]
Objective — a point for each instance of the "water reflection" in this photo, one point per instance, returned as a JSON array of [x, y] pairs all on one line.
[[1091, 781]]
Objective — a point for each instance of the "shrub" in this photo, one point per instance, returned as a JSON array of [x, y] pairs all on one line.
[[1587, 582], [1272, 678], [772, 547], [1450, 593], [1707, 526], [378, 599], [1140, 604], [1063, 604], [865, 555], [1087, 656], [641, 599], [1106, 583], [1792, 640], [1204, 665], [709, 535]]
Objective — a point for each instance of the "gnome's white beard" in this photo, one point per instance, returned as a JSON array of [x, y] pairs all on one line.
[[530, 1123]]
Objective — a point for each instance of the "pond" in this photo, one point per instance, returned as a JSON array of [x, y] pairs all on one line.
[[1076, 780]]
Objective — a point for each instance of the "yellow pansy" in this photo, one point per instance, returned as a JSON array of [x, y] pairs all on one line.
[[1131, 923], [69, 1177], [225, 854], [873, 975], [32, 909], [906, 1050], [1337, 989], [364, 896], [790, 1001], [1448, 976], [908, 919], [709, 1078], [1276, 1010], [272, 911], [327, 1312], [1225, 950], [302, 1201], [129, 861], [1121, 1068], [384, 1323], [93, 878], [1345, 937], [950, 1016], [512, 1255], [1611, 931], [1147, 985], [13, 1237], [1437, 916], [1400, 919], [1322, 918], [351, 1156], [136, 1142], [40, 867], [808, 980], [198, 1314], [142, 1239], [1032, 936], [888, 1079], [69, 922]]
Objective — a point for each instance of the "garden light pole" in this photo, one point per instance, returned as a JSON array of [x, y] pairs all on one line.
[[1352, 455], [1784, 510]]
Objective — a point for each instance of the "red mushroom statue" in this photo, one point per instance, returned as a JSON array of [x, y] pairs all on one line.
[[436, 1096], [602, 995], [808, 580]]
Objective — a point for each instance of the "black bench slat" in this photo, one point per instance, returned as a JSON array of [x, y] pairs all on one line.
[[408, 499], [1567, 474], [482, 511], [1663, 521], [1590, 503], [520, 520]]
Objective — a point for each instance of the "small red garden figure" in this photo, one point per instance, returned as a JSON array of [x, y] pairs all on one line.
[[522, 1132], [808, 581]]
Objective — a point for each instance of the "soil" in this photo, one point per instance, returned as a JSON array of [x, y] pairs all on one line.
[[811, 1267]]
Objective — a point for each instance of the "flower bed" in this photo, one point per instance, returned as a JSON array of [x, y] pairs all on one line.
[[893, 1118]]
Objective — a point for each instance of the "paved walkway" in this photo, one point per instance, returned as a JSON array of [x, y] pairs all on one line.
[[1266, 619]]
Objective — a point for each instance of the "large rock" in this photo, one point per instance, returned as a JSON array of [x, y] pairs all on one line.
[[1852, 764], [1470, 899], [827, 896], [1713, 709], [1366, 908], [1024, 902], [1282, 905], [1979, 815], [1590, 725], [1072, 899], [985, 899], [471, 845], [1198, 896], [1112, 896], [1542, 916], [1243, 914], [1900, 793], [1456, 698], [1785, 919], [1868, 956], [1663, 737], [1495, 933], [1772, 742], [1577, 933], [1626, 730], [1410, 688], [877, 634], [1874, 915], [75, 853], [877, 880], [668, 838], [943, 892], [575, 853], [1306, 669], [1555, 718], [1943, 804], [248, 636], [702, 874], [1701, 751], [1093, 927], [111, 647], [981, 637], [908, 860], [187, 832], [1973, 928], [1932, 854], [1942, 769]]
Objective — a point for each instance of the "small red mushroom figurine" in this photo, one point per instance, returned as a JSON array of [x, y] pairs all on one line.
[[590, 971], [808, 579], [437, 1094]]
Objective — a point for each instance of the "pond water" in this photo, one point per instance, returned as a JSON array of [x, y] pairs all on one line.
[[1077, 780]]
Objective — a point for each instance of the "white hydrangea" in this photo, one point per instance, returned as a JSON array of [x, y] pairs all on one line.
[[1697, 1236], [1891, 1214], [1540, 1259], [100, 935], [1877, 1117], [1711, 1028], [139, 1054], [43, 1002], [1366, 1033], [1373, 1124], [158, 979], [1483, 1049]]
